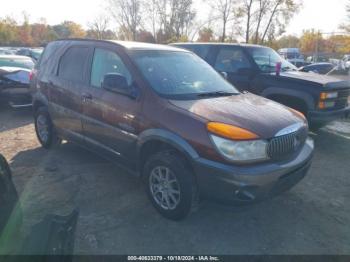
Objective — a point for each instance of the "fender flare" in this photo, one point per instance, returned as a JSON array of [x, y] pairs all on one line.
[[167, 137], [308, 99]]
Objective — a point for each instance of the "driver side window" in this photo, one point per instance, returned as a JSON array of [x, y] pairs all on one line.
[[230, 60], [106, 62]]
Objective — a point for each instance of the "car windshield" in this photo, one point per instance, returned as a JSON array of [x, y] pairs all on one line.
[[180, 75], [267, 59], [16, 62]]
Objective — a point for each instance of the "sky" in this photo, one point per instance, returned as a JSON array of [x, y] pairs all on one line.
[[324, 15]]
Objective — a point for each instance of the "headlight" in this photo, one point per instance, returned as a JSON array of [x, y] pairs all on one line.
[[241, 151], [330, 95]]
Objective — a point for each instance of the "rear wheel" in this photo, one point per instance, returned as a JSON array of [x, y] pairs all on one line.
[[44, 128], [170, 185]]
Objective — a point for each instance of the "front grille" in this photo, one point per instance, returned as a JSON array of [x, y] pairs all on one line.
[[342, 99], [284, 146]]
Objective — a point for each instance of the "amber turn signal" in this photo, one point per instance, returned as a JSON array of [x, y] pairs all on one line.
[[231, 132]]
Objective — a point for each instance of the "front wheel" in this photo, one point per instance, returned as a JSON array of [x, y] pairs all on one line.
[[44, 128], [170, 185]]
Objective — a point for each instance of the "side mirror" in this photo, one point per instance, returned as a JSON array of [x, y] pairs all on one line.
[[224, 75], [116, 83]]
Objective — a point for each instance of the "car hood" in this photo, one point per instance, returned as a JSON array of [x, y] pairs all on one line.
[[323, 80], [259, 115]]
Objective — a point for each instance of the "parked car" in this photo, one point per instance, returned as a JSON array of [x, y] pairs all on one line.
[[33, 53], [253, 68], [171, 119], [14, 80], [346, 60], [319, 68], [293, 56]]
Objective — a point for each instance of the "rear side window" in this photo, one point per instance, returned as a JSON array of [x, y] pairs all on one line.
[[47, 56], [72, 64], [106, 62]]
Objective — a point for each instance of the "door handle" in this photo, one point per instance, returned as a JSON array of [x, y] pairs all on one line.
[[86, 97]]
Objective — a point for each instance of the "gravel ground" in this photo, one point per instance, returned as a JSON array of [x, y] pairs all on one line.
[[116, 217]]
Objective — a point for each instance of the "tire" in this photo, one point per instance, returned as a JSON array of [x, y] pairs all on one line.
[[181, 203], [44, 129]]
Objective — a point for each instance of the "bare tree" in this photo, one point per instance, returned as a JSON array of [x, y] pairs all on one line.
[[346, 26], [175, 17], [181, 17], [152, 15], [224, 10], [268, 17], [248, 9], [263, 4], [99, 26], [280, 10], [127, 13]]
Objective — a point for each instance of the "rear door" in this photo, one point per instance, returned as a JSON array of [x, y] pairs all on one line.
[[110, 119], [65, 90], [235, 64]]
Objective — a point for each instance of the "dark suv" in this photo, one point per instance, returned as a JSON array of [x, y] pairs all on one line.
[[171, 119], [253, 68]]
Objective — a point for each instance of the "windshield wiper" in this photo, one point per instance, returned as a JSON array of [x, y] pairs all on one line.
[[216, 94]]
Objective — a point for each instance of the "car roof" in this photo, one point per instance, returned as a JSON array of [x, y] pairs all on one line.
[[14, 57], [130, 45], [217, 44]]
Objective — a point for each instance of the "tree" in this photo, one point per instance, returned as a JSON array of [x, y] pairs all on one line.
[[224, 10], [172, 19], [266, 19], [181, 17], [247, 9], [311, 41], [152, 15], [69, 29], [8, 31], [205, 35], [98, 27], [288, 41], [145, 36], [127, 13], [279, 16], [346, 26], [24, 32]]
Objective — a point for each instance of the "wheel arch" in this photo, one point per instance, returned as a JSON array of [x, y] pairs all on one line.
[[292, 96], [155, 140]]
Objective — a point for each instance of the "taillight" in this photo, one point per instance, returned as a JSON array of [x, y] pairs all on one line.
[[31, 75]]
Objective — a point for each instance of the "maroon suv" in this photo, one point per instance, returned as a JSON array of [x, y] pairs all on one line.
[[171, 119]]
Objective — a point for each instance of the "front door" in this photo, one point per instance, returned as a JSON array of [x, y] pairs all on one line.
[[109, 118]]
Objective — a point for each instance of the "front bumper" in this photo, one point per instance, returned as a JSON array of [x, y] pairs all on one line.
[[243, 184], [328, 116], [17, 97]]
